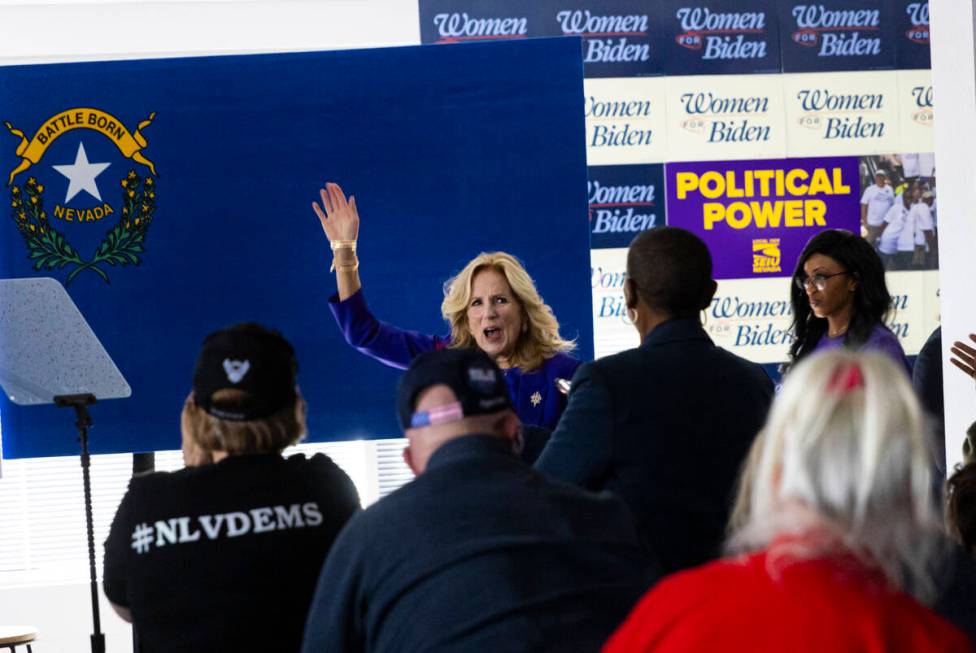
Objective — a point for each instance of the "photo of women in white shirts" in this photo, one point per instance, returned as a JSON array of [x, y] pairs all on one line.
[[909, 232]]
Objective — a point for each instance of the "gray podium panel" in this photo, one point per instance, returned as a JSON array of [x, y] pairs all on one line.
[[48, 349]]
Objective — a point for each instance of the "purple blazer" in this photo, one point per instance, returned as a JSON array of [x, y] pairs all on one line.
[[537, 400]]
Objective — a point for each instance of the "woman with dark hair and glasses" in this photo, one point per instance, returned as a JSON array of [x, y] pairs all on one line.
[[840, 299]]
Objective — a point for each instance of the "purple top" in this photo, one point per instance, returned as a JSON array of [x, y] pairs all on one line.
[[537, 400], [881, 340]]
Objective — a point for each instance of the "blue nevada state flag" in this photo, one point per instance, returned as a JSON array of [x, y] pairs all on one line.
[[172, 198]]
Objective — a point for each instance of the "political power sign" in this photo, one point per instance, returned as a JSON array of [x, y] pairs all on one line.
[[756, 216]]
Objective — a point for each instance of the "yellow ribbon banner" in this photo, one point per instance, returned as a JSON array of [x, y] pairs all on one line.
[[129, 144]]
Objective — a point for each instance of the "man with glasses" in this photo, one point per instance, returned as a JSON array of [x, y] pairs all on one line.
[[479, 552]]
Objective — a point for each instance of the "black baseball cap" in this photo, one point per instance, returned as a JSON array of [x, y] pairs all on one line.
[[471, 374], [247, 357]]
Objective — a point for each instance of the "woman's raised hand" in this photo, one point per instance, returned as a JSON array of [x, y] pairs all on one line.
[[340, 220]]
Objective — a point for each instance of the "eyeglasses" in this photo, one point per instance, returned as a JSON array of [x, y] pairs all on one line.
[[819, 281]]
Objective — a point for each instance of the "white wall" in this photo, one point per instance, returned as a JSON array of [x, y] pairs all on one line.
[[954, 86], [62, 31], [62, 616]]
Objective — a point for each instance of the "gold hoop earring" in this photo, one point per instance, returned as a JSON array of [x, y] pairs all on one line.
[[630, 317]]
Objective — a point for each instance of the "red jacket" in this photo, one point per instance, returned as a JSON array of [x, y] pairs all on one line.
[[779, 603]]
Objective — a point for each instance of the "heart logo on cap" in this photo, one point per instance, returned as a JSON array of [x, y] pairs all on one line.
[[236, 370]]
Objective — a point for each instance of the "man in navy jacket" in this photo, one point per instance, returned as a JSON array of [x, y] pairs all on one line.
[[665, 426], [480, 552]]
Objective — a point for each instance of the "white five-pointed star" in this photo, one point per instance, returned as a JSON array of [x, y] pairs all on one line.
[[81, 175]]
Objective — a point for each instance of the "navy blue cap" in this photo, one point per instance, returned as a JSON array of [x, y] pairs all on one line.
[[250, 358], [471, 374]]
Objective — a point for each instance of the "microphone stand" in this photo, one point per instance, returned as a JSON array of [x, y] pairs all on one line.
[[83, 422]]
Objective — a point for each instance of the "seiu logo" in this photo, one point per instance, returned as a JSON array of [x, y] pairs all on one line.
[[766, 255], [715, 33], [918, 15], [837, 32], [620, 209], [461, 26], [607, 36]]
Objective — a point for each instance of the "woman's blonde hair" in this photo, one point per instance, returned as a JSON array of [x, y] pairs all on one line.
[[269, 434], [540, 339], [845, 449]]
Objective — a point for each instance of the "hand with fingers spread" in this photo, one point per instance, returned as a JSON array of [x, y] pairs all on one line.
[[340, 222], [340, 219], [964, 356]]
